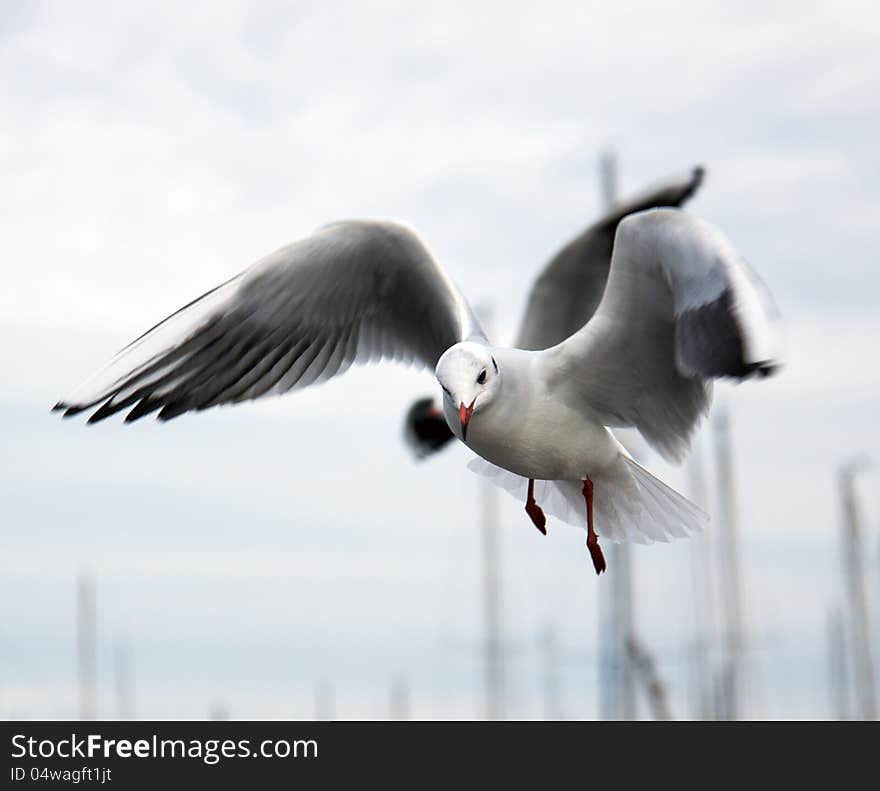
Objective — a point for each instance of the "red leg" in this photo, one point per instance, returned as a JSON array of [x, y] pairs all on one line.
[[534, 510], [592, 538]]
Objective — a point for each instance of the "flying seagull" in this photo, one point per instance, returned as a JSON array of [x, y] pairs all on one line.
[[680, 308], [563, 297]]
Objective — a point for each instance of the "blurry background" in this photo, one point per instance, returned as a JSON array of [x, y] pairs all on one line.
[[288, 559]]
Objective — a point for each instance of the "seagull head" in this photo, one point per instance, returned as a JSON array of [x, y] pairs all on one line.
[[470, 377]]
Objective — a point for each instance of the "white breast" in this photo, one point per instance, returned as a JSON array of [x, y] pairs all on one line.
[[526, 431]]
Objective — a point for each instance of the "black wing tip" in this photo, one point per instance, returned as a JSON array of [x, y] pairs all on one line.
[[734, 368], [72, 410], [144, 407], [673, 193], [69, 410], [710, 340], [678, 196], [169, 410], [698, 175], [102, 413], [761, 369], [172, 409], [425, 431]]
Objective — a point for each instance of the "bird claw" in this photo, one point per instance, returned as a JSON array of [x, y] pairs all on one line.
[[596, 554], [537, 516]]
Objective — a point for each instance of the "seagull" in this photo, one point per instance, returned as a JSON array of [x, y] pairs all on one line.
[[680, 308], [562, 299]]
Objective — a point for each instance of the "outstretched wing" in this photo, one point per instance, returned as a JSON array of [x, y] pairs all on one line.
[[568, 290], [680, 308], [353, 291]]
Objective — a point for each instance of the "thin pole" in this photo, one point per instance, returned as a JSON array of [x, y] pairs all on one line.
[[838, 676], [399, 700], [731, 595], [702, 594], [643, 664], [608, 171], [218, 713], [854, 577], [494, 680], [87, 641], [124, 686], [493, 638], [617, 700], [325, 702], [550, 659], [623, 612]]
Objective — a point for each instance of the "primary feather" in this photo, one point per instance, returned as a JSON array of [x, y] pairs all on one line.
[[353, 291]]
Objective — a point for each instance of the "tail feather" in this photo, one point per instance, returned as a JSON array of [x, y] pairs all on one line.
[[629, 504]]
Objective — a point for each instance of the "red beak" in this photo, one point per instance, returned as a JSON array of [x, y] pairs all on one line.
[[464, 415]]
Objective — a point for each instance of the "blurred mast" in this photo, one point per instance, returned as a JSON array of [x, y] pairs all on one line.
[[87, 641], [492, 605], [218, 712], [854, 580], [838, 677], [702, 595], [325, 702], [124, 683], [399, 699], [643, 665], [730, 692], [550, 659], [616, 688], [492, 641]]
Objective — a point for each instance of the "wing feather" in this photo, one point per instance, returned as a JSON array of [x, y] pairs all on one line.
[[353, 291], [680, 309], [567, 292]]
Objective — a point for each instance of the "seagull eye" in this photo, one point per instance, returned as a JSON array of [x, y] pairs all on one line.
[[481, 379], [446, 391]]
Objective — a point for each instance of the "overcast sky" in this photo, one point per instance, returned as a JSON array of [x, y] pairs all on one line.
[[150, 151]]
